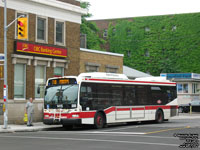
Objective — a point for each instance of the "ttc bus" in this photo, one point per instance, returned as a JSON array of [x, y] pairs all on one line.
[[105, 98]]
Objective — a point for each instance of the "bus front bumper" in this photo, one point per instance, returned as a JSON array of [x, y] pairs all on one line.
[[62, 121]]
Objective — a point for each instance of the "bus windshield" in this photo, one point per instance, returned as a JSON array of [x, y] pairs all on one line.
[[61, 96]]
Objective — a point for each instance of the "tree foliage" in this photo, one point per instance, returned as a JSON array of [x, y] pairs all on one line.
[[158, 44], [90, 29]]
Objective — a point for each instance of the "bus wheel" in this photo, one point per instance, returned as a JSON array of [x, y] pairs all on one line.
[[99, 121], [159, 116]]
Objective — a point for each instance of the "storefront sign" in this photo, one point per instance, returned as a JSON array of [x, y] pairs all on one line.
[[180, 75], [40, 49]]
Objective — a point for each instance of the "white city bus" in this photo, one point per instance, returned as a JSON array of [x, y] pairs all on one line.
[[105, 98]]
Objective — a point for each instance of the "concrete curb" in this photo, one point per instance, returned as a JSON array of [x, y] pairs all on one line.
[[23, 128]]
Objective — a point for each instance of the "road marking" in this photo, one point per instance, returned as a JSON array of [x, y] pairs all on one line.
[[91, 140], [127, 133], [167, 130], [108, 134], [120, 128]]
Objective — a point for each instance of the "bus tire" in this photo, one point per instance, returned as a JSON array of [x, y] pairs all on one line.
[[159, 116], [99, 120]]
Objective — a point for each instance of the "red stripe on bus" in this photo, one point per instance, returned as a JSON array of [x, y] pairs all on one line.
[[109, 110], [138, 108], [123, 109], [91, 114], [156, 107], [107, 80]]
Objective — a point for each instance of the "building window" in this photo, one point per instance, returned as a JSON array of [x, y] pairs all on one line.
[[41, 29], [128, 53], [112, 69], [92, 67], [58, 72], [147, 29], [182, 88], [194, 88], [60, 33], [128, 32], [40, 80], [174, 28], [113, 31], [105, 33], [83, 40], [19, 80], [147, 54]]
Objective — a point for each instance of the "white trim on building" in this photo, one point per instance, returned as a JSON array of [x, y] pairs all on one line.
[[48, 8], [101, 52]]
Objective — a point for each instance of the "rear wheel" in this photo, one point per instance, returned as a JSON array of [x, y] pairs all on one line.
[[99, 121], [159, 116]]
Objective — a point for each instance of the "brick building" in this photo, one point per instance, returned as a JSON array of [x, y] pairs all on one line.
[[52, 49], [103, 25]]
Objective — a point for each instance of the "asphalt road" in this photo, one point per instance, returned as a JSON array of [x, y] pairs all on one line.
[[143, 136]]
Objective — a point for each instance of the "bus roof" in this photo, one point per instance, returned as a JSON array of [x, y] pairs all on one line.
[[117, 79], [123, 79], [103, 75]]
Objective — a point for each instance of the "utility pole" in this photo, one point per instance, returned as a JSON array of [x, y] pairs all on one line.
[[5, 95], [5, 92]]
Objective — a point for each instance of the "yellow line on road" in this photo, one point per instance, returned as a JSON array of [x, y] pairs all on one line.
[[167, 130]]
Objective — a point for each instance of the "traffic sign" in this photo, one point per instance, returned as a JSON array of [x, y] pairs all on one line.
[[2, 57]]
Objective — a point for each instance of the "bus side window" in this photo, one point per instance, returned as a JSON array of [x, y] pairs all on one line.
[[117, 95], [86, 97], [103, 96], [142, 95], [129, 95]]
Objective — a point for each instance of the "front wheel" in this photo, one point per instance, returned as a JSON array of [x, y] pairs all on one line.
[[99, 121]]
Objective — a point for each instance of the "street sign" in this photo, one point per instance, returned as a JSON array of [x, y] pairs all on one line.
[[2, 57]]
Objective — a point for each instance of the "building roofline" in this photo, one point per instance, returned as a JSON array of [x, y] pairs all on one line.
[[101, 52], [62, 5], [125, 18], [48, 8]]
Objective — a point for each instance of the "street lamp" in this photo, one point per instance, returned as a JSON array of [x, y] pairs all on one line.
[[5, 92]]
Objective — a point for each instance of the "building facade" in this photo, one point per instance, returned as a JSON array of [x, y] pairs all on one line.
[[154, 44], [100, 61], [188, 86], [52, 49]]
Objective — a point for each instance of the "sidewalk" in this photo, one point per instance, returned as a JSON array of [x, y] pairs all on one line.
[[38, 126], [194, 115]]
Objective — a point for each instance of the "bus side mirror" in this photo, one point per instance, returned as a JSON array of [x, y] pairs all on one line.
[[38, 90]]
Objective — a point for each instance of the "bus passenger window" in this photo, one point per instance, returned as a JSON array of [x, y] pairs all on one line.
[[129, 96]]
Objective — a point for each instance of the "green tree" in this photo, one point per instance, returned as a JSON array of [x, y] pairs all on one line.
[[90, 29]]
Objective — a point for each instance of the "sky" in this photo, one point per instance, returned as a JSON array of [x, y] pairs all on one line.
[[105, 9]]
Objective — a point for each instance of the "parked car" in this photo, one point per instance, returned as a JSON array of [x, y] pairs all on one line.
[[185, 108]]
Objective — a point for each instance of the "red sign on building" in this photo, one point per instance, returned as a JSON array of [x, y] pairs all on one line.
[[40, 49]]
